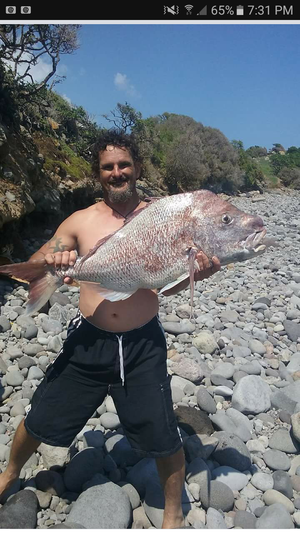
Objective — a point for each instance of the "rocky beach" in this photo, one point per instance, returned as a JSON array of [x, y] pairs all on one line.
[[235, 378]]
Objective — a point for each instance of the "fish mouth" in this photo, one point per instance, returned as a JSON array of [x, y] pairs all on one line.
[[255, 241]]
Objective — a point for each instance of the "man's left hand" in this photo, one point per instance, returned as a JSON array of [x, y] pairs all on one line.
[[207, 267]]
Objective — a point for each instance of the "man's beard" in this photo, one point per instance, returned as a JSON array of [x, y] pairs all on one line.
[[116, 196]]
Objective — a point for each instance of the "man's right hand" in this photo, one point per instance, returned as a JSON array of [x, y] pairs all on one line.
[[62, 260]]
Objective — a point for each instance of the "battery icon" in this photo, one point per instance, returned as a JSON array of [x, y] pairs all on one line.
[[240, 10]]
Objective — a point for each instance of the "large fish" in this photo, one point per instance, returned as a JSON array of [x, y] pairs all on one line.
[[156, 248]]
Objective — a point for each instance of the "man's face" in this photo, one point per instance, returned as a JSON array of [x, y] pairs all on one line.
[[118, 173]]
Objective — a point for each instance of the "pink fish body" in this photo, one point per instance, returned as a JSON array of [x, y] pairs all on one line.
[[156, 248]]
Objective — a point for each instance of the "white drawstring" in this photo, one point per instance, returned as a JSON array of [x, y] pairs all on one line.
[[121, 358]]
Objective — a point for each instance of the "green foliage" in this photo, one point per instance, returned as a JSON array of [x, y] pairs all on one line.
[[290, 177], [8, 104], [257, 151], [61, 159], [191, 156], [253, 176], [287, 167], [278, 162], [237, 145], [278, 147], [290, 159], [270, 178], [74, 122]]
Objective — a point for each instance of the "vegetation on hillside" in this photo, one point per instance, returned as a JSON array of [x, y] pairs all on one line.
[[279, 166], [180, 153]]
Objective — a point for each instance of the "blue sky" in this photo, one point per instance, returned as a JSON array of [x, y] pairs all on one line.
[[243, 79]]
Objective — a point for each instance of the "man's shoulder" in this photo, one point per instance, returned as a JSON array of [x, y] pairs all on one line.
[[86, 212]]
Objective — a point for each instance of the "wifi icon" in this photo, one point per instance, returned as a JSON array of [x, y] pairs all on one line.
[[189, 8]]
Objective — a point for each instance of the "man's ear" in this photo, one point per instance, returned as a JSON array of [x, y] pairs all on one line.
[[138, 168]]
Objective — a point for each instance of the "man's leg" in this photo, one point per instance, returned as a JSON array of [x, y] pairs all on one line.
[[23, 446], [171, 471]]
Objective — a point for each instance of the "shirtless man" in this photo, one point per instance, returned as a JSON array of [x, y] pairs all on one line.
[[115, 347]]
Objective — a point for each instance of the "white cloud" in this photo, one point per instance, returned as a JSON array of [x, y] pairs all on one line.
[[38, 71], [123, 84], [67, 99]]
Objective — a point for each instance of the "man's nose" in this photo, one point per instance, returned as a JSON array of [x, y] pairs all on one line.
[[116, 171]]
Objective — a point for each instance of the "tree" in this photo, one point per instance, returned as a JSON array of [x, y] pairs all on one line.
[[252, 175], [184, 167], [257, 151], [124, 117], [238, 145], [24, 45], [290, 177]]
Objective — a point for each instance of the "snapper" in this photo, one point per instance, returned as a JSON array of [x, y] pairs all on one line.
[[155, 249]]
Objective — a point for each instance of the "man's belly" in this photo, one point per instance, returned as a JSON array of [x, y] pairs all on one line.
[[124, 315]]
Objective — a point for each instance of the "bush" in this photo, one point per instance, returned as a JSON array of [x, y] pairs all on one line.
[[290, 177], [257, 151]]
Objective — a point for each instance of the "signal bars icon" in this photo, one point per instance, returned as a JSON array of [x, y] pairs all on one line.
[[189, 8]]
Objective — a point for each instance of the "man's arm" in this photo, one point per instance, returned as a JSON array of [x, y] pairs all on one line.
[[206, 270], [60, 250]]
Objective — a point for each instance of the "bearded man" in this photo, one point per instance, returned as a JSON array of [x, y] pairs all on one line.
[[115, 348]]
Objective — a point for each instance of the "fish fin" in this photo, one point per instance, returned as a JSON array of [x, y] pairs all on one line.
[[42, 283], [40, 290], [108, 294], [27, 271], [192, 260], [174, 283], [151, 199]]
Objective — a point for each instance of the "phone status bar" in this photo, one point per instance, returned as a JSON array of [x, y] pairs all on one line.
[[164, 12]]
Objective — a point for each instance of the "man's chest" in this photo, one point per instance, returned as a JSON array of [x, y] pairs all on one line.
[[96, 229]]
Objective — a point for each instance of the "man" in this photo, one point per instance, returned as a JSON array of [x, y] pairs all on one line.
[[115, 347]]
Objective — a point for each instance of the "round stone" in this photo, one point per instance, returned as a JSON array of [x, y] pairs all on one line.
[[231, 477], [283, 483], [231, 451], [217, 495], [282, 440], [277, 460], [205, 401], [262, 481], [251, 395], [245, 520], [109, 421], [273, 496], [295, 483], [275, 516]]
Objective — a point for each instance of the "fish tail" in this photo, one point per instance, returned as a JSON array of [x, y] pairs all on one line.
[[42, 283]]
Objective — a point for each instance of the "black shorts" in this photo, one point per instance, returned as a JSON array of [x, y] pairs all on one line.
[[130, 366]]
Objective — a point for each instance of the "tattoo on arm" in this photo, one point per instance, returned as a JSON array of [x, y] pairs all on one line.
[[57, 246]]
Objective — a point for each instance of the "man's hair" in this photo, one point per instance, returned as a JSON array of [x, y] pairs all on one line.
[[116, 138]]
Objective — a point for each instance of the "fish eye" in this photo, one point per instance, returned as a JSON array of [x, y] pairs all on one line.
[[227, 219]]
